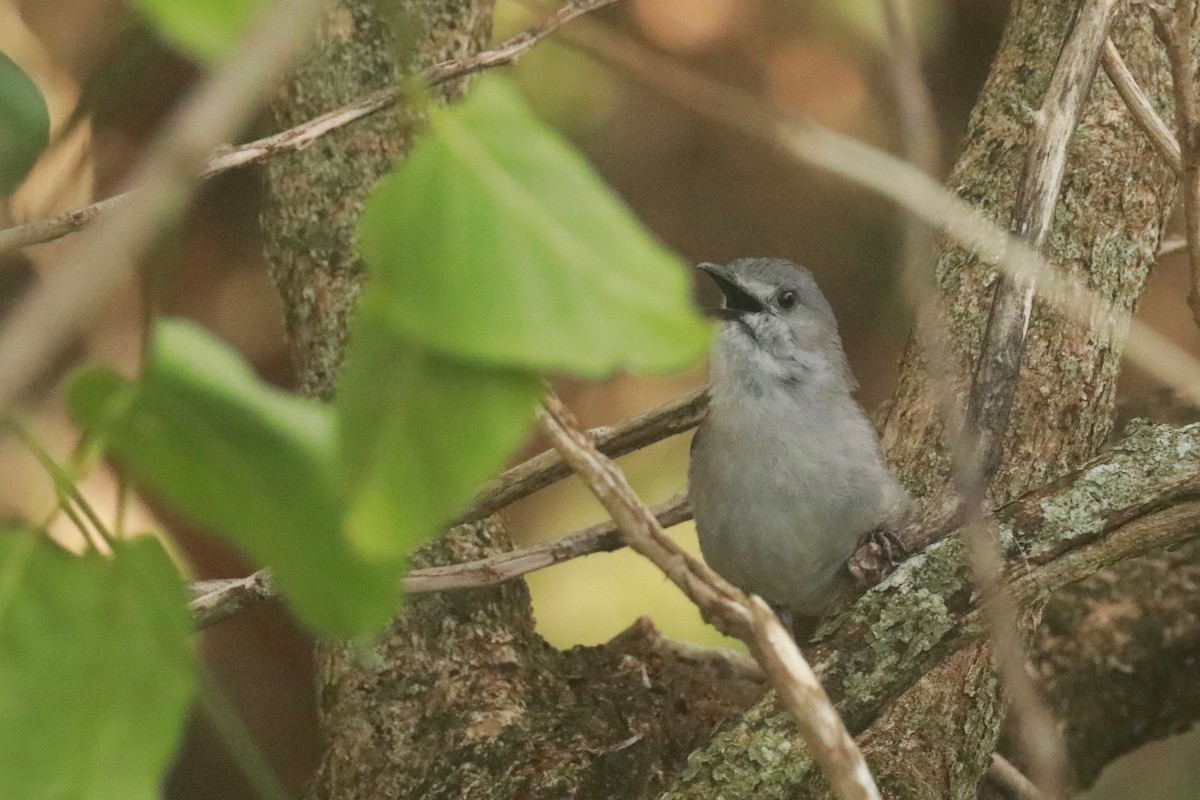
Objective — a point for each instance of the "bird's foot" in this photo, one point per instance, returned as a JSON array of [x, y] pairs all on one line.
[[879, 552]]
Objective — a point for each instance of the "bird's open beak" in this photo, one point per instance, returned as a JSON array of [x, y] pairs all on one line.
[[737, 300]]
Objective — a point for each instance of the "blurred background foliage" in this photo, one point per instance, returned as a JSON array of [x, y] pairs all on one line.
[[703, 190]]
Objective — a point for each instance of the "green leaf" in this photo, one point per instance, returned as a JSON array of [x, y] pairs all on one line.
[[205, 30], [420, 433], [252, 463], [96, 669], [24, 125], [497, 243]]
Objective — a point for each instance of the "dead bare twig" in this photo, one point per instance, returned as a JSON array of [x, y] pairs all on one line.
[[721, 603], [614, 441], [1143, 113], [750, 619], [226, 157], [77, 285], [218, 600]]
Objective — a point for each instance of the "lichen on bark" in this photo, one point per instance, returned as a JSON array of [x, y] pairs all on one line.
[[1107, 225], [315, 196], [461, 698]]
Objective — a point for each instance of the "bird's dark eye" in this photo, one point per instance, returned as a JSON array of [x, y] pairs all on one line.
[[787, 299]]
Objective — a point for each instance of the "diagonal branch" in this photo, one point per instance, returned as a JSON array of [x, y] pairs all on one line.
[[74, 290], [614, 441], [218, 600], [1140, 109], [1142, 496], [227, 157], [721, 603], [822, 730]]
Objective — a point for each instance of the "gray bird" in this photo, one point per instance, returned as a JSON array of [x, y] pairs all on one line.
[[786, 475]]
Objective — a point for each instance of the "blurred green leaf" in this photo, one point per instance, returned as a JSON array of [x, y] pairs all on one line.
[[497, 243], [96, 669], [252, 463], [420, 433], [205, 30], [24, 125]]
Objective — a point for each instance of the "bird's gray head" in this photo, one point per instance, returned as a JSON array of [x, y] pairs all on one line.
[[778, 330]]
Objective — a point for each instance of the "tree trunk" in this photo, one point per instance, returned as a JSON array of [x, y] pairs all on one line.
[[936, 741], [461, 698], [315, 196], [1107, 226]]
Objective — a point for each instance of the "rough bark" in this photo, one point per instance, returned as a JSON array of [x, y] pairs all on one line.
[[937, 740], [1144, 495], [461, 698], [1107, 226], [1117, 655], [315, 197]]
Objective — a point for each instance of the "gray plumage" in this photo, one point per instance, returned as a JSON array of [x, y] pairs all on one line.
[[786, 474]]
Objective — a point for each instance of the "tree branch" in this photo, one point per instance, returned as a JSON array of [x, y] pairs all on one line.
[[827, 739], [1140, 109], [218, 600], [1143, 495], [74, 290], [227, 157], [614, 441]]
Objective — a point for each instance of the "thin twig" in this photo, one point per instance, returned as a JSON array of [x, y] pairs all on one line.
[[722, 604], [217, 601], [227, 157], [1012, 308], [600, 538], [831, 745], [904, 185], [918, 122], [1036, 728], [920, 141], [999, 367], [1176, 29], [614, 441], [75, 288], [1139, 106], [1002, 772], [922, 148], [1172, 246], [220, 599]]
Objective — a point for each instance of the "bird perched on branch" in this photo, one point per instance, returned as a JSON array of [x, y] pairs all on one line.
[[786, 475]]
